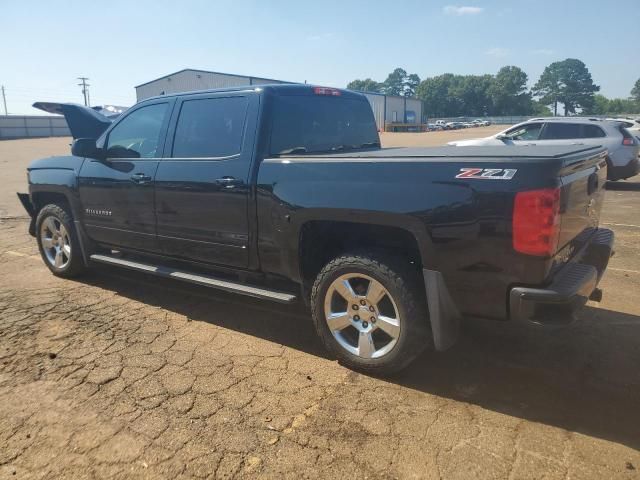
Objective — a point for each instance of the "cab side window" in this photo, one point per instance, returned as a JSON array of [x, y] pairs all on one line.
[[210, 128], [138, 134]]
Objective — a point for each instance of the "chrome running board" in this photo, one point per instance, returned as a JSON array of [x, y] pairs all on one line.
[[196, 278]]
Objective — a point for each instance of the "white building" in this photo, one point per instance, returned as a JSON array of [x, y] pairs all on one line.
[[386, 109]]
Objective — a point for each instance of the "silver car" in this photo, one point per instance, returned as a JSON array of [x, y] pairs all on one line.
[[623, 161]]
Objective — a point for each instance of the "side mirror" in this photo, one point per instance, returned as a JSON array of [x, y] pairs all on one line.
[[86, 147], [501, 136]]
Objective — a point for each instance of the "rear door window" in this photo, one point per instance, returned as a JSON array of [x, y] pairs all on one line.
[[592, 131], [210, 127], [562, 131]]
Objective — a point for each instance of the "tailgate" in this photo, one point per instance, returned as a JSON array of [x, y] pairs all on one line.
[[581, 197]]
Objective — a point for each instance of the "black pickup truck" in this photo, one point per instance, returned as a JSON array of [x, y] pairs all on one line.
[[283, 193]]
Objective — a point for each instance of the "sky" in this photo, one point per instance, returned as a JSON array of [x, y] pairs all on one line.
[[46, 45]]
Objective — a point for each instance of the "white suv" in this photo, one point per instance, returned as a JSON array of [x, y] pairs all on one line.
[[623, 147]]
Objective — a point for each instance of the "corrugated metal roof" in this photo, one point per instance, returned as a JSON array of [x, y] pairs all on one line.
[[209, 71]]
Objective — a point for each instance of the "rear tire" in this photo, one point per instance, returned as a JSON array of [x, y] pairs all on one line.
[[58, 241], [369, 310]]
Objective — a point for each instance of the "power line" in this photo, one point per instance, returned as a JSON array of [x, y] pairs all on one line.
[[85, 90], [4, 101]]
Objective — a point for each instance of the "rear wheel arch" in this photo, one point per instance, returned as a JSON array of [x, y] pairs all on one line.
[[320, 241]]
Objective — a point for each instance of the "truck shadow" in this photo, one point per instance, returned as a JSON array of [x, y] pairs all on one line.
[[583, 378], [623, 186]]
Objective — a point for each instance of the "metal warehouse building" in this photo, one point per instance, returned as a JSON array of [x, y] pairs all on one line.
[[387, 109]]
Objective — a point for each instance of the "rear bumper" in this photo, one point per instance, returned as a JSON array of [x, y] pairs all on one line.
[[570, 288], [624, 171]]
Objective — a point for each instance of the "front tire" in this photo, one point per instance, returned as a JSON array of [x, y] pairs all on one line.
[[58, 242], [370, 311]]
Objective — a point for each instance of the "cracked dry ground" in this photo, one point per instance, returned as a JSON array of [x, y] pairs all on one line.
[[118, 375]]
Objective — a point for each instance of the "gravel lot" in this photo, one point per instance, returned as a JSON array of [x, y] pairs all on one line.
[[118, 375]]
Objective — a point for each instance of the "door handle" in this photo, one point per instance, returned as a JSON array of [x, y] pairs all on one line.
[[140, 178], [228, 182]]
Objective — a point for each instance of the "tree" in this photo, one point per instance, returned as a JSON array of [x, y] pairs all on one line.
[[635, 91], [400, 83], [539, 110], [549, 86], [600, 106], [612, 106], [472, 92], [568, 82], [366, 85], [508, 92], [411, 83], [435, 94], [394, 84]]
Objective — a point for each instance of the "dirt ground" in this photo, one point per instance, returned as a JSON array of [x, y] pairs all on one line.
[[119, 375]]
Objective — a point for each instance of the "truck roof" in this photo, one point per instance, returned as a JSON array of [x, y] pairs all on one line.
[[277, 88]]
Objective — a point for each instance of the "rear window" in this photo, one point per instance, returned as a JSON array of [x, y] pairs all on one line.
[[317, 123]]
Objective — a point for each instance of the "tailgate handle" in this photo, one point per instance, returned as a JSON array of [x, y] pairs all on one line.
[[592, 185]]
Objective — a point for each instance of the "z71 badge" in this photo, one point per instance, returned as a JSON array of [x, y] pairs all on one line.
[[487, 173]]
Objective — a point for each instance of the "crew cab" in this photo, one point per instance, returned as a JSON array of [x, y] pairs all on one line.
[[283, 193]]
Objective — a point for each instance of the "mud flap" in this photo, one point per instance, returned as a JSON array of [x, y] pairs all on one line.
[[443, 313], [28, 206]]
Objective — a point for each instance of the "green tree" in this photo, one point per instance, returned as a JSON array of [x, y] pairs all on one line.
[[394, 84], [508, 92], [635, 91], [434, 92], [539, 110], [366, 85], [400, 83], [411, 83], [549, 86], [472, 91], [568, 82], [600, 106]]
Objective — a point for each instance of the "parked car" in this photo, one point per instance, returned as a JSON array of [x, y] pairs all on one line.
[[632, 125], [481, 123], [441, 124], [622, 146], [283, 193]]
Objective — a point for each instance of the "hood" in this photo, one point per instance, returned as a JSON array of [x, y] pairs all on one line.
[[83, 122]]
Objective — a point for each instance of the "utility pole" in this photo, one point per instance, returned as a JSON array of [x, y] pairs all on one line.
[[4, 101], [85, 89]]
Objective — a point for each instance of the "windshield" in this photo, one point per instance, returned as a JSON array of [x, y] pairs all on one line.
[[317, 123]]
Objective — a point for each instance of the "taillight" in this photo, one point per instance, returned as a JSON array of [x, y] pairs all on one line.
[[536, 221], [334, 92], [627, 138]]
